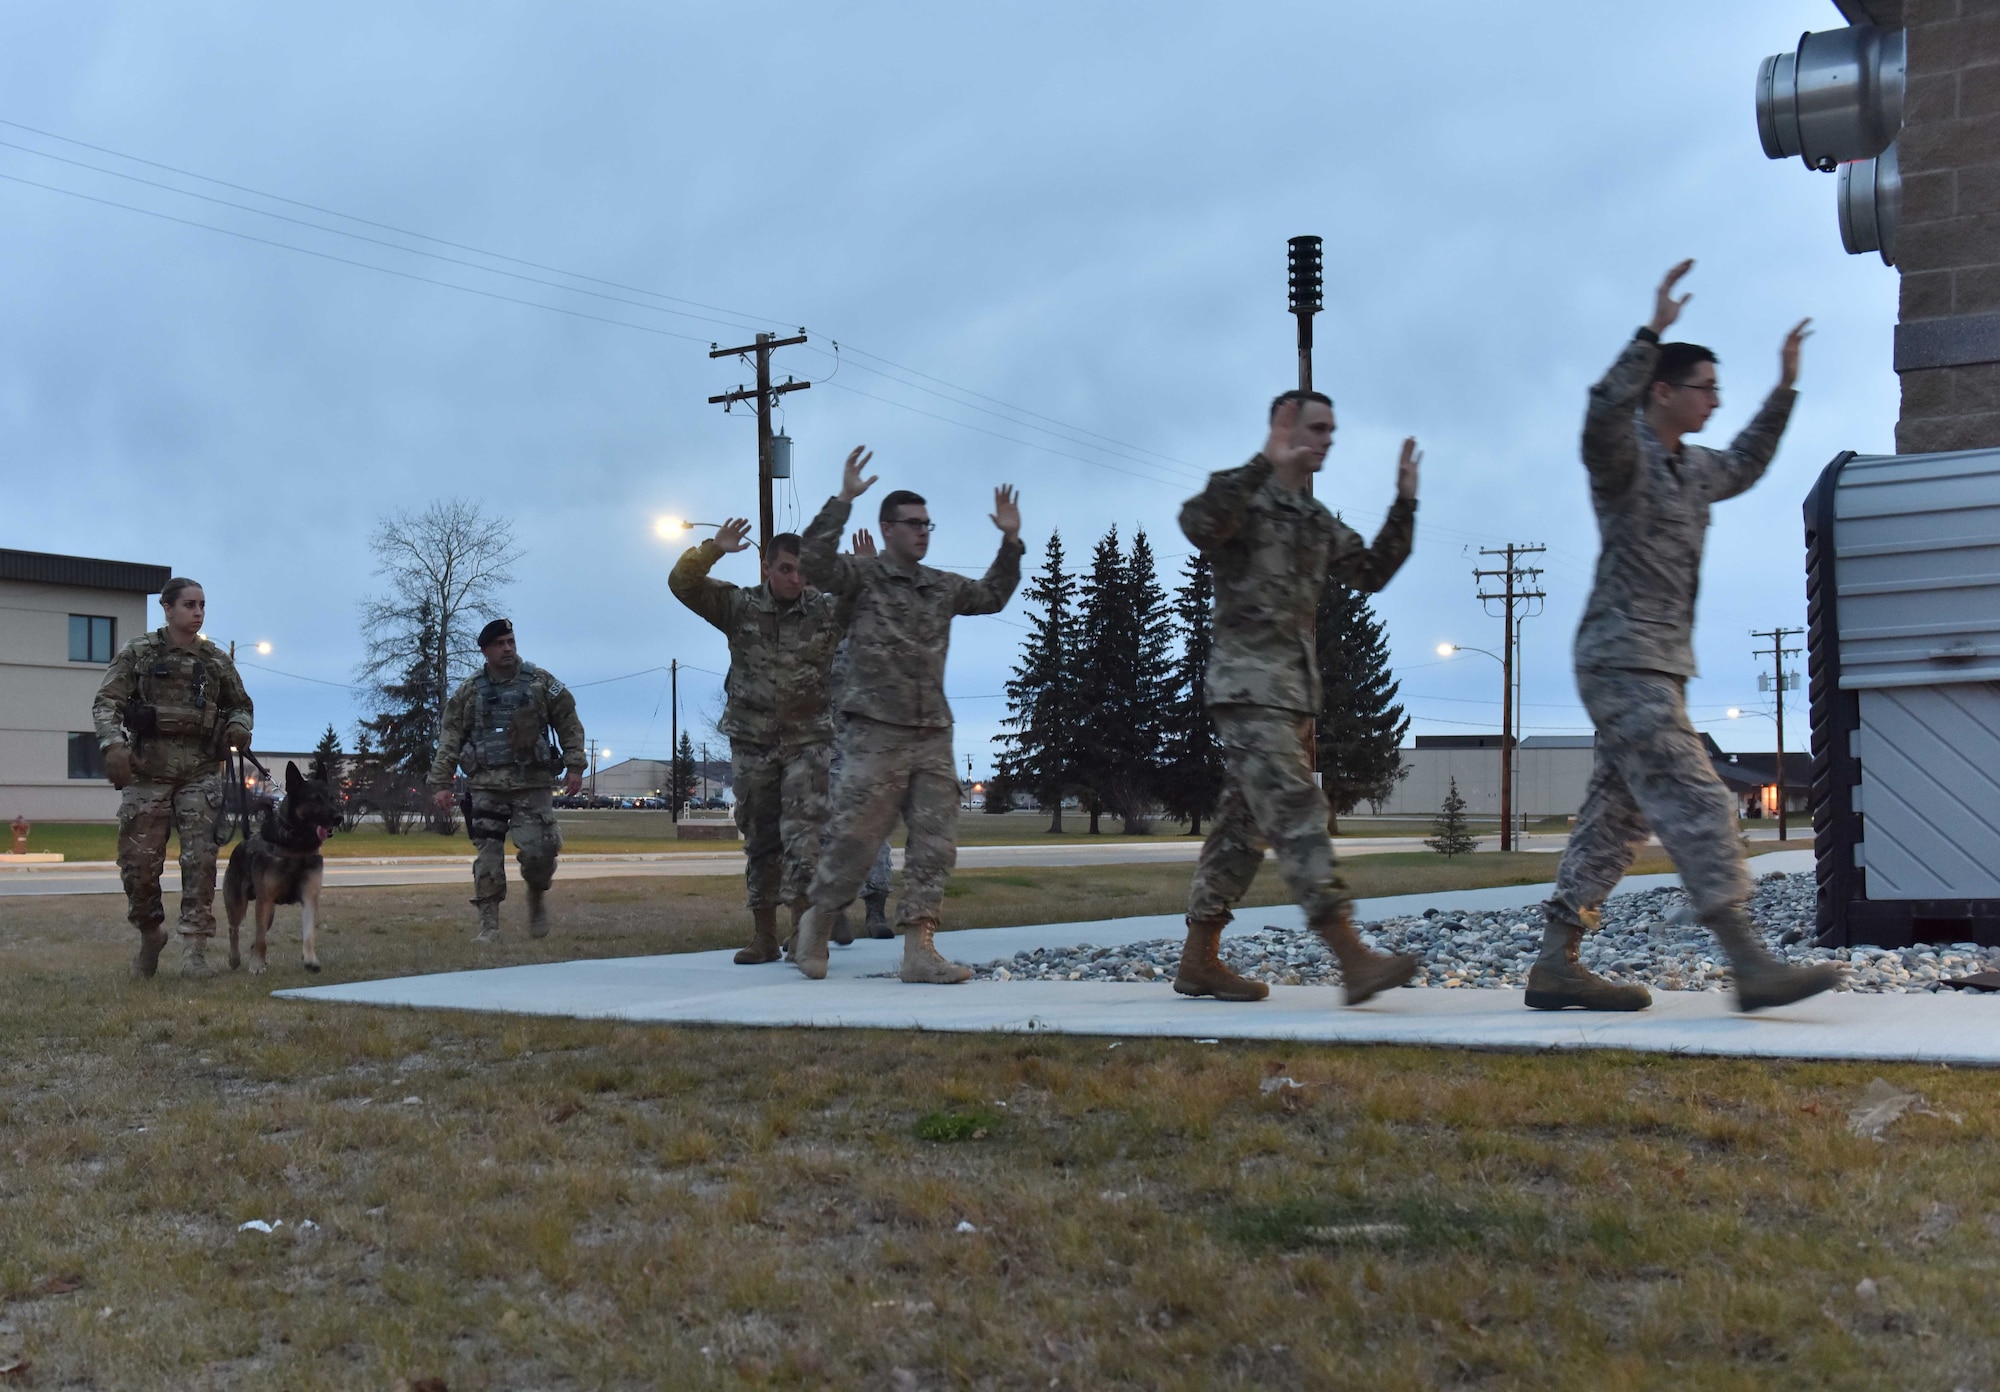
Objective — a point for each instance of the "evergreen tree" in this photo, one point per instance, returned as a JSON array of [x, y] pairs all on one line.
[[1041, 696], [1192, 782], [1104, 675], [405, 727], [684, 774], [1151, 646], [1000, 789], [1449, 834], [1361, 724], [326, 757]]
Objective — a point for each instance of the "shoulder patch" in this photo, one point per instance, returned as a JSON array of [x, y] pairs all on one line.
[[556, 688]]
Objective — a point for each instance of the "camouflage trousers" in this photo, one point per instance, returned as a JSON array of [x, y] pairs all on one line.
[[1268, 799], [883, 871], [781, 810], [1651, 773], [146, 814], [888, 771], [529, 816]]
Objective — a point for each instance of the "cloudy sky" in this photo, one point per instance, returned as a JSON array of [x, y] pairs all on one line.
[[1048, 241]]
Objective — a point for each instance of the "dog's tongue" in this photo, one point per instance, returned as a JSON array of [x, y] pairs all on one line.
[[324, 832]]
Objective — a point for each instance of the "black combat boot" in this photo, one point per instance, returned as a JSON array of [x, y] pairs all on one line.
[[878, 915], [1560, 981], [1762, 981], [489, 921]]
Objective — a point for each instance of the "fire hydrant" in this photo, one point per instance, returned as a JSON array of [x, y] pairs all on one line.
[[21, 829]]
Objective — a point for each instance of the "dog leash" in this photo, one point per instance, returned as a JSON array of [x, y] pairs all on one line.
[[233, 761]]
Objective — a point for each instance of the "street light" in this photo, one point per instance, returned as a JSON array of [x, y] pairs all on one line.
[[1506, 743], [263, 650]]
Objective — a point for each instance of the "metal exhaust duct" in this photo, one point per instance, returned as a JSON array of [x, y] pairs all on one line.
[[1837, 98], [1870, 194]]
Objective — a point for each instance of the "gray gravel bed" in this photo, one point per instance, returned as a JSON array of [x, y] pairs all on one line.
[[1649, 937]]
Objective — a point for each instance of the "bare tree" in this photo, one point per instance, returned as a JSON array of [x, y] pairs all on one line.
[[445, 568]]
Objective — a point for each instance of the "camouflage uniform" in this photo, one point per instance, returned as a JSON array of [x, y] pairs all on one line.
[[880, 874], [197, 700], [1273, 549], [496, 728], [896, 748], [778, 719], [1635, 646]]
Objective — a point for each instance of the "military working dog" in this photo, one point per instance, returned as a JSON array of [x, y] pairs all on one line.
[[282, 864]]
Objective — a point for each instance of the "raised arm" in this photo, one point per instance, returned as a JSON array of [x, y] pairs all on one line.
[[1610, 451], [825, 568], [1369, 568], [715, 600], [1750, 453], [990, 592]]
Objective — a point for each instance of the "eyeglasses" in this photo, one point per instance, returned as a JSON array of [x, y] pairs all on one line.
[[920, 523], [1713, 389]]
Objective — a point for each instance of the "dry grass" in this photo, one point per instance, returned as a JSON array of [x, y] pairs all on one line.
[[532, 1203]]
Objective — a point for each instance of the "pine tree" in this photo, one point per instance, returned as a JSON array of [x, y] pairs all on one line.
[[326, 757], [1192, 782], [1041, 695], [684, 774], [1104, 675], [1143, 751], [406, 728], [1449, 834], [1000, 789], [1361, 724]]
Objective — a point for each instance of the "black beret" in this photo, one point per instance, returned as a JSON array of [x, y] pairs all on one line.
[[494, 632]]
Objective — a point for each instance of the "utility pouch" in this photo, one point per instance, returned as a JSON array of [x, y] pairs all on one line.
[[142, 722]]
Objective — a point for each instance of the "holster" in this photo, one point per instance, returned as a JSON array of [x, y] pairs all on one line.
[[465, 807]]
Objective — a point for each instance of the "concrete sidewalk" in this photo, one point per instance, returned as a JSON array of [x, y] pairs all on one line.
[[861, 992]]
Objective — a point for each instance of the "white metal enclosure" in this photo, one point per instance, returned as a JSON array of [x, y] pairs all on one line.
[[1903, 585]]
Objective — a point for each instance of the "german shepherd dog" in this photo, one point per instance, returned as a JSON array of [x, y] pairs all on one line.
[[281, 864]]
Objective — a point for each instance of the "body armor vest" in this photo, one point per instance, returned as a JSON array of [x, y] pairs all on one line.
[[177, 697], [510, 725]]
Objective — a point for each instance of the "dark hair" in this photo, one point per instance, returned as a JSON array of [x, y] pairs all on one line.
[[1676, 360], [902, 497], [789, 542], [171, 591], [1300, 395]]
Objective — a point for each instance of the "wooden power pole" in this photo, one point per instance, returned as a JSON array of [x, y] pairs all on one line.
[[1517, 587], [766, 396], [1778, 652]]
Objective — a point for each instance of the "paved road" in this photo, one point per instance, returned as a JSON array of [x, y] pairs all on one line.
[[101, 877]]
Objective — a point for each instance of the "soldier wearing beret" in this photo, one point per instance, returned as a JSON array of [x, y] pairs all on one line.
[[512, 727], [171, 704]]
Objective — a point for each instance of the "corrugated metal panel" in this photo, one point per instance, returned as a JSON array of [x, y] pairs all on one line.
[[44, 568], [1929, 797], [1918, 543]]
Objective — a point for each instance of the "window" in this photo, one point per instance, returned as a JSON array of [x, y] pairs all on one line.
[[86, 760], [90, 637]]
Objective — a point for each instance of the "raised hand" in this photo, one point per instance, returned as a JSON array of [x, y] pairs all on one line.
[[733, 535], [1406, 469], [1284, 446], [1666, 308], [863, 544], [1788, 356], [852, 485], [1006, 514]]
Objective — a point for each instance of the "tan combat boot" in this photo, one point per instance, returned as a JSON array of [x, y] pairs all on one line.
[[921, 962], [1366, 971], [1202, 972], [878, 916], [194, 955], [538, 912], [1560, 981], [489, 921], [763, 937], [1762, 981], [809, 943], [146, 960]]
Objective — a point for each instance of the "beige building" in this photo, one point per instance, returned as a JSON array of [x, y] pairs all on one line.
[[1551, 774], [61, 620]]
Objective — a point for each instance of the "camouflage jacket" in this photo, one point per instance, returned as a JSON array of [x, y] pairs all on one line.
[[1652, 517], [195, 697], [780, 655], [901, 624], [1273, 550], [498, 731]]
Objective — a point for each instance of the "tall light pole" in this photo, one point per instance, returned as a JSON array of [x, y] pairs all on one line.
[[1507, 718]]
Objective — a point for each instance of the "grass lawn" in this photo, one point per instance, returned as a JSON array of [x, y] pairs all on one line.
[[616, 832], [522, 1203]]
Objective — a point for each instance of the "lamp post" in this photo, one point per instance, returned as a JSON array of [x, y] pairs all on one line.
[[1507, 741], [597, 751]]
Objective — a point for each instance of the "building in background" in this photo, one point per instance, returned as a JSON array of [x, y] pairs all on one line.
[[62, 618]]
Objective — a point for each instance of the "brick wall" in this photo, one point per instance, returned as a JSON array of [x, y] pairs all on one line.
[[1948, 239]]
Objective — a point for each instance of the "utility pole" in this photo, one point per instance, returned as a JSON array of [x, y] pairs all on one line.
[[1519, 585], [766, 396], [1778, 652], [674, 740]]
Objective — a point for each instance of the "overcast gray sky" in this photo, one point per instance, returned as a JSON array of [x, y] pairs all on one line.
[[1077, 211]]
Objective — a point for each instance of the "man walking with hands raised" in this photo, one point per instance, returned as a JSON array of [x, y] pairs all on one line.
[[896, 754]]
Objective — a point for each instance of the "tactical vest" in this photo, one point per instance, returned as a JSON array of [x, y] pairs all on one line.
[[510, 725], [177, 695]]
